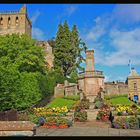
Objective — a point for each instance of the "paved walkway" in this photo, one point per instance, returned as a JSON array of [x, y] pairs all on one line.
[[87, 131]]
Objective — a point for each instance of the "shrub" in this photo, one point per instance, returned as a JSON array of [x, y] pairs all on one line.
[[126, 123], [80, 116], [119, 113], [134, 106], [103, 114], [98, 99], [98, 104], [85, 104]]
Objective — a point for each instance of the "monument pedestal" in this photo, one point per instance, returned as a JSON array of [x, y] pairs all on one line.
[[90, 81]]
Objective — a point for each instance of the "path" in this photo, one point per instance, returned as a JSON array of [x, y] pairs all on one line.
[[91, 119], [87, 131]]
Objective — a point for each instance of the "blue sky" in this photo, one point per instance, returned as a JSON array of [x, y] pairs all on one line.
[[112, 30]]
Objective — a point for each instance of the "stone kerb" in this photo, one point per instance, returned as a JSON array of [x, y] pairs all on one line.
[[13, 128]]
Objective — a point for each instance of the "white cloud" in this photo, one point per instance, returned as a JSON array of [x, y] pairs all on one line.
[[38, 34], [97, 30], [127, 12], [119, 45], [70, 10], [127, 46], [35, 16]]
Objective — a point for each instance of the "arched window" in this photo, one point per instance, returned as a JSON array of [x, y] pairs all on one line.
[[9, 21], [1, 21], [17, 21]]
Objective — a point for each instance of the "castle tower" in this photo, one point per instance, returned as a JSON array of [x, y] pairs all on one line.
[[134, 85], [90, 60], [15, 22]]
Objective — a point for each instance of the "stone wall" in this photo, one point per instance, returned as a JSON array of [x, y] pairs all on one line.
[[59, 90], [115, 88], [49, 57], [71, 90], [66, 89], [17, 128]]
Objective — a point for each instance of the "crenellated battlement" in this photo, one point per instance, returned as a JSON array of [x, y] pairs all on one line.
[[9, 12]]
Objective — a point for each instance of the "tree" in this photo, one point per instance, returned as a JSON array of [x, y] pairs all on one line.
[[21, 63], [68, 50]]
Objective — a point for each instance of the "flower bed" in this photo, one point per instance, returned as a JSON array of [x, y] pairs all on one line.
[[80, 116], [56, 122], [103, 113], [48, 111], [125, 110], [126, 123]]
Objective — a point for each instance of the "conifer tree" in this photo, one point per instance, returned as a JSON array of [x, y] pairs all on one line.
[[68, 50]]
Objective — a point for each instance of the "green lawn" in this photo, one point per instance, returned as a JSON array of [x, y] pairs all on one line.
[[121, 100], [59, 102]]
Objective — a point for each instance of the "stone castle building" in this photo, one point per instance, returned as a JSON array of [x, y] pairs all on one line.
[[134, 85], [19, 22], [15, 22]]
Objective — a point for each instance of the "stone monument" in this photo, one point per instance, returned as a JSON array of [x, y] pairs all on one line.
[[90, 81]]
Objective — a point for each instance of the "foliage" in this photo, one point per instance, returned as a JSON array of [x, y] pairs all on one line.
[[80, 116], [67, 51], [99, 104], [57, 122], [81, 105], [59, 102], [73, 77], [98, 99], [73, 97], [21, 63], [134, 106], [127, 110], [126, 123], [85, 104], [103, 113]]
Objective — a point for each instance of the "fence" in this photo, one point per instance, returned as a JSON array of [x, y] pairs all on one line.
[[10, 115]]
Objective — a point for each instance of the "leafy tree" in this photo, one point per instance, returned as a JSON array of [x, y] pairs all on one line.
[[68, 50], [21, 63], [21, 52]]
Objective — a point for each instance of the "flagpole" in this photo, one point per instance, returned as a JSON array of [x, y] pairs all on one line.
[[130, 65]]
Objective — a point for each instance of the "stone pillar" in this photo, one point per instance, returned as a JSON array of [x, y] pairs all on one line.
[[66, 83], [90, 60]]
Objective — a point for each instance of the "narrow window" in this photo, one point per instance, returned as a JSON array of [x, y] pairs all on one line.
[[17, 21], [135, 85], [1, 21], [9, 21]]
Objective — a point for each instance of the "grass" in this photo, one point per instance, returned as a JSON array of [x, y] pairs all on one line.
[[59, 102], [121, 100], [73, 97], [108, 97]]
